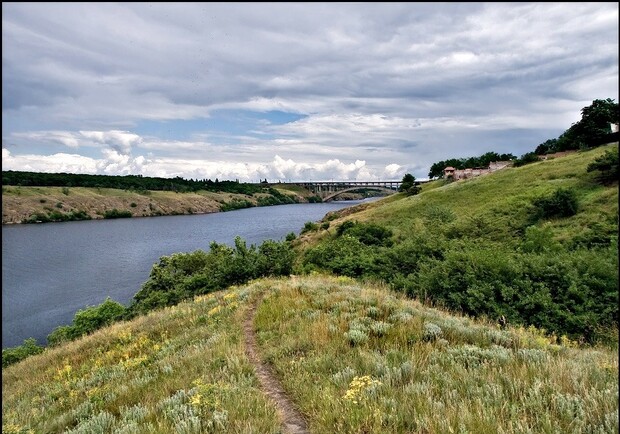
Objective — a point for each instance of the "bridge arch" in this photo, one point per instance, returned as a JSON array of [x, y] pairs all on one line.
[[330, 197]]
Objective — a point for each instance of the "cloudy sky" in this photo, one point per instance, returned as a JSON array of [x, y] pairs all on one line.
[[294, 91]]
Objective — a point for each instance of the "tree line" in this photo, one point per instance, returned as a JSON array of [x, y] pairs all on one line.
[[125, 182]]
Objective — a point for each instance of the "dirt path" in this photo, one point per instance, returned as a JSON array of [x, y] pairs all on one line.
[[292, 421]]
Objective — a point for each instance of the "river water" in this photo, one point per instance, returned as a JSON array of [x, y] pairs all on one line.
[[52, 270]]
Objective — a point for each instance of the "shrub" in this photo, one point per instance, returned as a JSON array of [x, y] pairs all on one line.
[[607, 166], [115, 214], [562, 203], [539, 239], [356, 337], [88, 320], [183, 275], [16, 354], [369, 234], [310, 227], [527, 158], [432, 332]]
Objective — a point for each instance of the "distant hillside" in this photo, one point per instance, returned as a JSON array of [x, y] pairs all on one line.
[[537, 244], [351, 358], [28, 204]]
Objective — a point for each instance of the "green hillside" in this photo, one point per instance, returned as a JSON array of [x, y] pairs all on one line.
[[353, 358], [535, 244]]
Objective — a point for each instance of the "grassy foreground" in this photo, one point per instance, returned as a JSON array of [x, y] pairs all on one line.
[[354, 357]]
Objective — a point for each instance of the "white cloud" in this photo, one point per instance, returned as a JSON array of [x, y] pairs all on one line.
[[406, 83], [121, 141]]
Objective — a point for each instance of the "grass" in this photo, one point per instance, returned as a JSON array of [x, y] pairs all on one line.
[[354, 357], [181, 369], [360, 359], [501, 201]]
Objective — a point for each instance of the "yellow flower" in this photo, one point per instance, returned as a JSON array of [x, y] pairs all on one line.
[[231, 296], [359, 387], [196, 400], [215, 310]]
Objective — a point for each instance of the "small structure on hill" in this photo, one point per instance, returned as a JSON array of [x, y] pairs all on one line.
[[456, 174]]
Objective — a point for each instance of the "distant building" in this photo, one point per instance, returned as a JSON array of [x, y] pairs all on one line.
[[456, 174], [448, 171], [614, 128]]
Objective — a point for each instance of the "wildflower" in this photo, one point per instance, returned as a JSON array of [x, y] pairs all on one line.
[[214, 311], [360, 387]]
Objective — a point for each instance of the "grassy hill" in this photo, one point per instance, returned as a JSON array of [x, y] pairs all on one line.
[[354, 358], [23, 204], [537, 244]]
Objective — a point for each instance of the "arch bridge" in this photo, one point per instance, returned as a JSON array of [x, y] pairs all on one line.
[[328, 190]]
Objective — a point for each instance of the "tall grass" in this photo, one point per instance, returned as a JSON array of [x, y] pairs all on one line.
[[361, 359], [354, 358], [178, 370]]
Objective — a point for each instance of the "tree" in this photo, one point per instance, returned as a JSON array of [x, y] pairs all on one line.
[[593, 127], [408, 185], [607, 166]]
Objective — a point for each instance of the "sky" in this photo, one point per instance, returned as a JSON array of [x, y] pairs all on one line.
[[294, 91]]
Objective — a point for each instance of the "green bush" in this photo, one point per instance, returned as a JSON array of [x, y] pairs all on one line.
[[88, 320], [369, 234], [539, 240], [235, 204], [346, 256], [528, 158], [573, 293], [181, 276], [562, 203], [310, 227], [115, 214], [607, 166], [16, 354]]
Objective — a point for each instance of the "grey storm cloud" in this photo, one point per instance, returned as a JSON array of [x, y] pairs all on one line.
[[387, 84]]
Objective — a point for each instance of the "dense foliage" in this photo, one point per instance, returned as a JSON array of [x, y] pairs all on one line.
[[564, 291], [592, 130], [20, 352], [181, 276], [484, 160], [87, 321], [606, 166], [408, 185]]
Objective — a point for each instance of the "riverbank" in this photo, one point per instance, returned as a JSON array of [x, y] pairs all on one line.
[[20, 204]]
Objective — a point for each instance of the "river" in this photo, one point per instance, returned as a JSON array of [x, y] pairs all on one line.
[[52, 270]]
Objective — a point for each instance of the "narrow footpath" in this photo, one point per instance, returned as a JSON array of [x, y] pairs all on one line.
[[292, 421]]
